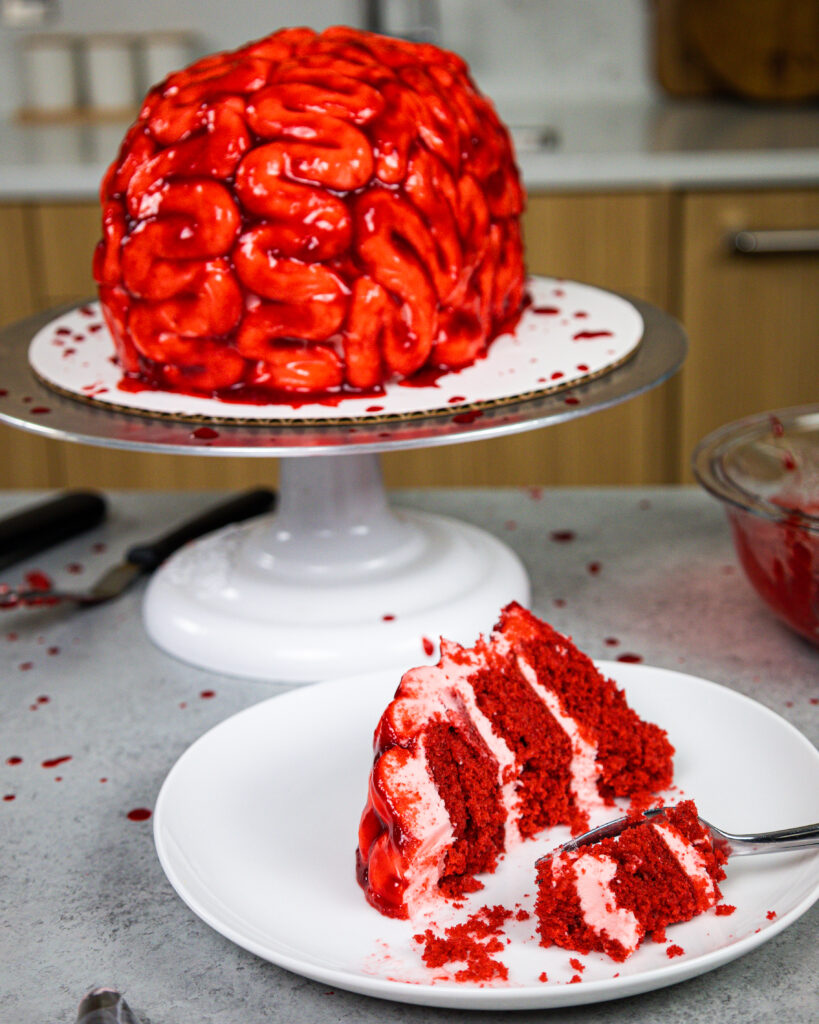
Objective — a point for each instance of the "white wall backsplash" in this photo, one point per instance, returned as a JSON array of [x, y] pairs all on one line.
[[522, 52]]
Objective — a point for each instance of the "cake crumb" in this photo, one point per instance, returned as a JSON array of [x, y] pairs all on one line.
[[578, 965], [574, 979], [543, 976], [470, 943], [771, 915], [673, 951], [724, 909], [522, 915]]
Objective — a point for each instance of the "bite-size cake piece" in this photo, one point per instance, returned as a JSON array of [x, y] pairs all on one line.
[[491, 745], [310, 213], [608, 896]]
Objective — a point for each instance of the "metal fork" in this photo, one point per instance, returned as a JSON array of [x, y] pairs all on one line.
[[732, 845]]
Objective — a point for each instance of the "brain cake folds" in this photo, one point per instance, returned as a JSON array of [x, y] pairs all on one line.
[[488, 747], [310, 213]]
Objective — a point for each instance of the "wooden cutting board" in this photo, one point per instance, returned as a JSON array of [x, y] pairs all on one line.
[[766, 50]]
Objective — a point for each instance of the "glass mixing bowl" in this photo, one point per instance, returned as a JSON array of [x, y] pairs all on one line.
[[765, 471]]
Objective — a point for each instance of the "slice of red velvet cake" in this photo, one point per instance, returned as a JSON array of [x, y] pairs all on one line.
[[608, 896], [491, 745]]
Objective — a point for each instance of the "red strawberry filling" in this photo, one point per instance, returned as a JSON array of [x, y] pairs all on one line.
[[311, 213]]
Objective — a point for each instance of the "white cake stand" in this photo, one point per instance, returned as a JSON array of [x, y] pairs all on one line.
[[337, 581]]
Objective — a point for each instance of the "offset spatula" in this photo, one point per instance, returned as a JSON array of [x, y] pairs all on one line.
[[146, 556]]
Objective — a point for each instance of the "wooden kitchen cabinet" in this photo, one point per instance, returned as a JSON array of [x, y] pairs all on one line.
[[752, 321]]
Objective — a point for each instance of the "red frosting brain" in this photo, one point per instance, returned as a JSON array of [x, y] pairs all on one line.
[[312, 212]]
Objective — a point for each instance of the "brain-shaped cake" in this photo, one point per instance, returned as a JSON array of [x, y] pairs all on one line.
[[310, 213]]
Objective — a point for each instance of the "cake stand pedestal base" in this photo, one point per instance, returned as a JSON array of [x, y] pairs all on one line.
[[335, 583]]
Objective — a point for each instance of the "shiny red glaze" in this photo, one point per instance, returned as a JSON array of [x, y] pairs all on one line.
[[310, 213], [781, 559]]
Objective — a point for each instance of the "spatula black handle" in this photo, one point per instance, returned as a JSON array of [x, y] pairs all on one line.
[[43, 525], [149, 555]]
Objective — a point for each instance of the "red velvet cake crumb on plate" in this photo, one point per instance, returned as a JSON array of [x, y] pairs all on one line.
[[608, 896], [489, 747]]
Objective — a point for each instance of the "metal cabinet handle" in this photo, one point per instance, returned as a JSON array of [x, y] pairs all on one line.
[[783, 242]]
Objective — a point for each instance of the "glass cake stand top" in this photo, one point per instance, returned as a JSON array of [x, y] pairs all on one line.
[[338, 581]]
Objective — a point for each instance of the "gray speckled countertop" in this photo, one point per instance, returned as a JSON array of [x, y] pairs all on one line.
[[83, 899]]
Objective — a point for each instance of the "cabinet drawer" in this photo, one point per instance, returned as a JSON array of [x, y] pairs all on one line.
[[753, 321]]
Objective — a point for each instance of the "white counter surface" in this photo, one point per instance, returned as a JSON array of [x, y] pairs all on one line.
[[592, 146]]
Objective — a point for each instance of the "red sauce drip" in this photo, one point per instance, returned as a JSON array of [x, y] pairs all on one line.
[[374, 408], [99, 547], [14, 759], [571, 400], [428, 645], [612, 641], [594, 568], [204, 433], [207, 694], [53, 651], [590, 335], [247, 394], [40, 410], [74, 568], [37, 580], [456, 400], [632, 659], [546, 310], [562, 536], [388, 618], [426, 378], [9, 797], [26, 666], [139, 814], [3, 392], [557, 375], [55, 761], [468, 417]]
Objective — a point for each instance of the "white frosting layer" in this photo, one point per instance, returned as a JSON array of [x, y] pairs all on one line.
[[689, 858], [424, 815], [593, 875]]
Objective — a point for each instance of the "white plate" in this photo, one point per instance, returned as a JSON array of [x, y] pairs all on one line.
[[570, 333], [256, 825]]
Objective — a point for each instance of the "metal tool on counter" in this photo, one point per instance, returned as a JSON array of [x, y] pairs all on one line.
[[105, 1006], [144, 557], [41, 526]]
